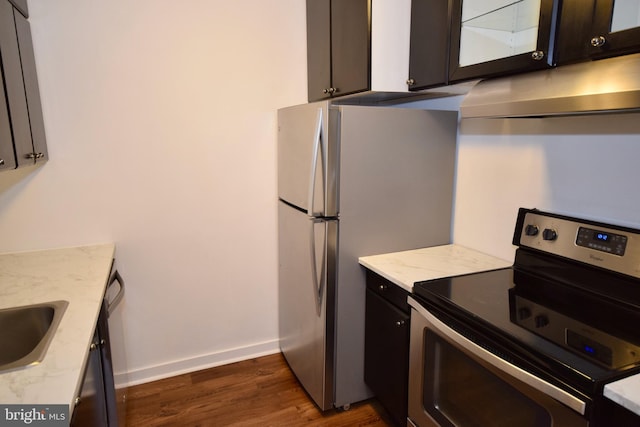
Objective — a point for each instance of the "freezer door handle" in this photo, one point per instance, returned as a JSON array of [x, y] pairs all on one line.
[[317, 146], [318, 282]]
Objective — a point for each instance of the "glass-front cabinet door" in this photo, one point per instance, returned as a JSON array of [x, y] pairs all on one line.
[[616, 27], [592, 29], [498, 37]]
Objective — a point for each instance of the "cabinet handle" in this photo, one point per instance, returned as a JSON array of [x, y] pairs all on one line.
[[537, 55], [34, 156], [1, 162], [411, 82], [382, 287], [598, 41], [330, 90], [400, 323]]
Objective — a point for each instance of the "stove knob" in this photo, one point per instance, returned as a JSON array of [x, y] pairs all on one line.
[[524, 313], [549, 234], [541, 321], [531, 230]]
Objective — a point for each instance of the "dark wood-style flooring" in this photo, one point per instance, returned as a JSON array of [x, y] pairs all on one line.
[[256, 392]]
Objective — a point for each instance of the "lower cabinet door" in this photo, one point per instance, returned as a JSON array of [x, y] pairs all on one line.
[[387, 355], [91, 409]]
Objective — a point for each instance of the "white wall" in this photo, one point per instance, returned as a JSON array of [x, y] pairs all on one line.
[[581, 166], [161, 124]]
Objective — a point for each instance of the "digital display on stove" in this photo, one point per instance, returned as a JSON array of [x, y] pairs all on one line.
[[601, 241], [589, 347]]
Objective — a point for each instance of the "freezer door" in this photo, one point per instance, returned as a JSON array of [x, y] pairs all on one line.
[[306, 250], [305, 171]]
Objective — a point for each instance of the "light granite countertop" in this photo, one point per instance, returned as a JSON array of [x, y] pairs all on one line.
[[625, 392], [407, 267], [78, 275]]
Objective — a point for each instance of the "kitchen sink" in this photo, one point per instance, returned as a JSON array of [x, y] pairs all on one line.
[[25, 333]]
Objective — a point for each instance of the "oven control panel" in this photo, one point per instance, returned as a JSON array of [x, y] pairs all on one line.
[[589, 342], [600, 240], [606, 246]]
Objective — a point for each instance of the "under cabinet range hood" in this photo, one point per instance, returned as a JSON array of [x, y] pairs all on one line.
[[601, 86]]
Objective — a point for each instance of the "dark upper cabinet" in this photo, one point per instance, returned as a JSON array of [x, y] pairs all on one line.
[[21, 5], [429, 44], [318, 48], [7, 152], [350, 45], [22, 137], [593, 29], [360, 47], [397, 46], [492, 38], [338, 47]]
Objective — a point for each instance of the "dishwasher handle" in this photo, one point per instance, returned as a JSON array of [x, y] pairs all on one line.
[[112, 304]]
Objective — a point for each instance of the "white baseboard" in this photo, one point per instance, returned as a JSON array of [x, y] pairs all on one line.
[[184, 366]]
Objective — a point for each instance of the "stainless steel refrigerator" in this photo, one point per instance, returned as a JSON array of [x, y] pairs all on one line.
[[352, 181]]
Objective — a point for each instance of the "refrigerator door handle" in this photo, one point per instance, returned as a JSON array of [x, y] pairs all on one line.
[[318, 282], [317, 146]]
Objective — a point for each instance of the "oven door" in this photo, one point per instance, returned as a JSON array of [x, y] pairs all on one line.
[[455, 382]]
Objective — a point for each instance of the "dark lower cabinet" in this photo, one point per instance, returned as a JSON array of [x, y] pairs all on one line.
[[91, 408], [101, 402], [386, 365], [91, 405], [610, 413]]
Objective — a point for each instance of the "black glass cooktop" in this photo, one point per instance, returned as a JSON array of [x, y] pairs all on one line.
[[576, 335]]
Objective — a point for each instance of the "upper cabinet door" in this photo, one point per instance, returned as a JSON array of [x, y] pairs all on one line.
[[37, 151], [7, 152], [593, 29], [318, 49], [350, 46], [429, 44], [499, 37], [20, 91], [338, 47], [572, 41], [21, 5]]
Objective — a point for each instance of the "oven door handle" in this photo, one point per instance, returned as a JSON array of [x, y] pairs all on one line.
[[549, 389]]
